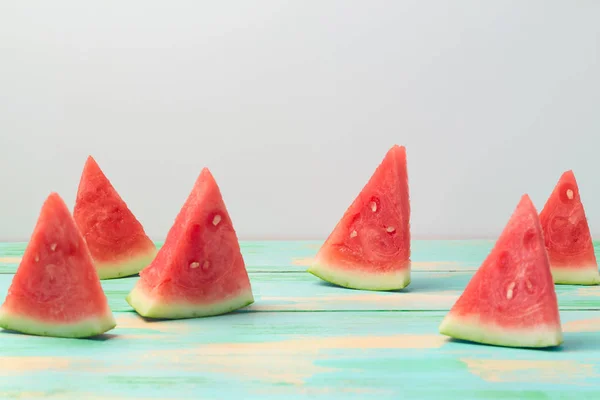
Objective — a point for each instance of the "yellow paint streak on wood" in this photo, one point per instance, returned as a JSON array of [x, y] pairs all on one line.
[[589, 291], [316, 345], [10, 260], [290, 361], [134, 321], [69, 395], [252, 365], [302, 262], [127, 336], [19, 365], [434, 265], [269, 368], [582, 325], [439, 275], [283, 391], [24, 395], [550, 371], [417, 266], [418, 300], [313, 245]]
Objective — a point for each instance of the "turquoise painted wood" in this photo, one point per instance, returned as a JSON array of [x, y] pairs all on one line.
[[306, 339], [294, 256], [286, 256], [295, 291]]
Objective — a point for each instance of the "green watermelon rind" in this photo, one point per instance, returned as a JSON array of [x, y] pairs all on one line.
[[127, 267], [358, 278], [148, 307], [89, 327], [473, 330], [583, 275]]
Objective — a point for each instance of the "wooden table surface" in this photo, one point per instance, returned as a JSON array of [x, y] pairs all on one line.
[[305, 338]]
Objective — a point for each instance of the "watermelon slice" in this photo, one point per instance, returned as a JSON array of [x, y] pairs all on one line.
[[568, 239], [369, 247], [199, 271], [56, 290], [510, 301], [116, 239]]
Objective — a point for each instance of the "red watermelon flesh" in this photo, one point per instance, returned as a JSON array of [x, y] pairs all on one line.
[[510, 301], [199, 271], [56, 290], [369, 248], [116, 239], [567, 234]]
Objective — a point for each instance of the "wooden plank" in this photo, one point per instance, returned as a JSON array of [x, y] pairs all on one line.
[[295, 355], [294, 256], [359, 344], [304, 292]]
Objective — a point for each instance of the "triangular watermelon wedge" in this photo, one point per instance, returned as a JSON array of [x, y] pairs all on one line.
[[510, 301], [56, 290], [116, 239], [567, 234], [369, 248], [199, 271]]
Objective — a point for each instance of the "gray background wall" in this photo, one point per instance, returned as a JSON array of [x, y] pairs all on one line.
[[293, 104]]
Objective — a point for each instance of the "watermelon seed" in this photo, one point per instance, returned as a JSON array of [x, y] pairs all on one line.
[[509, 292], [53, 246], [353, 234], [569, 194], [194, 264], [37, 258], [216, 220], [529, 286], [390, 229], [373, 206]]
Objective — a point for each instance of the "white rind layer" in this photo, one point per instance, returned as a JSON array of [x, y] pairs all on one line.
[[472, 329], [150, 307], [127, 267], [358, 278], [582, 275], [85, 328]]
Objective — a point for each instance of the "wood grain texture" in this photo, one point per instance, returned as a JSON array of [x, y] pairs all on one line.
[[271, 355], [307, 339], [287, 256], [302, 292]]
